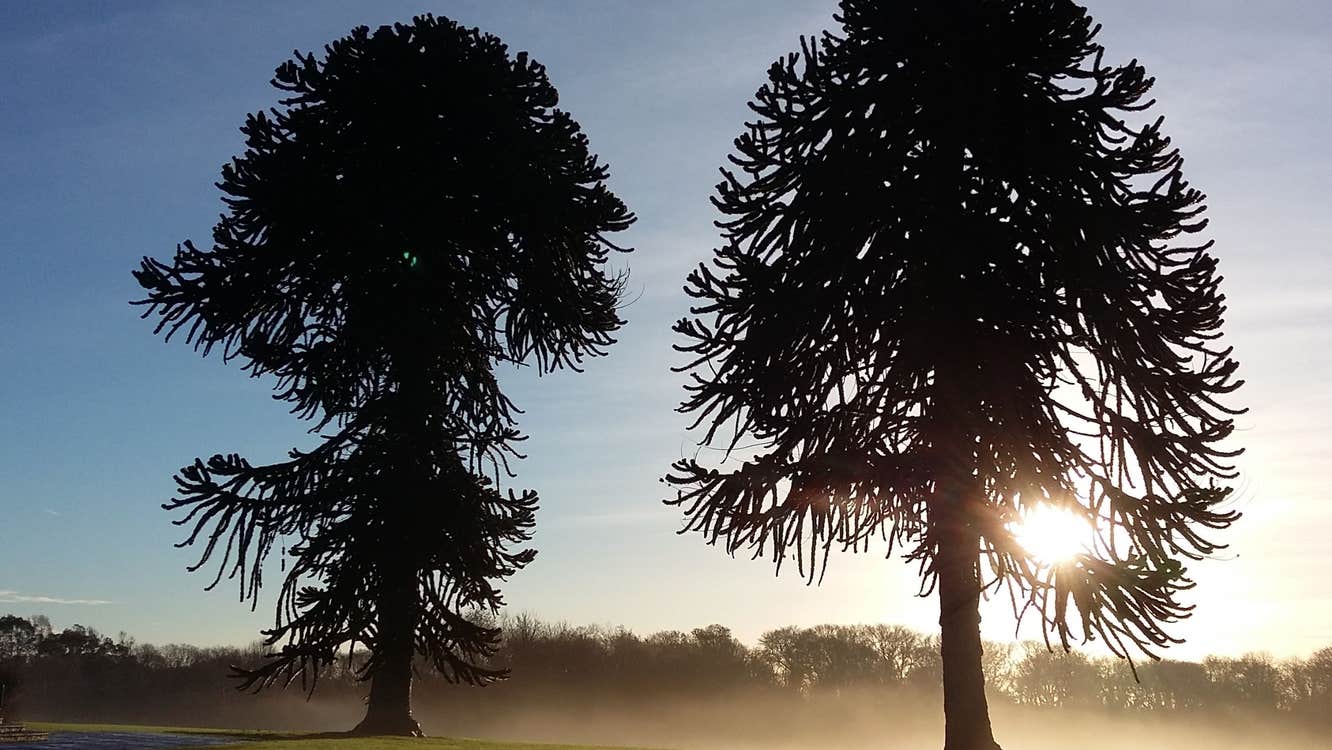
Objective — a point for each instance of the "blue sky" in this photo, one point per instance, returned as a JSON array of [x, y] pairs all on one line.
[[114, 121]]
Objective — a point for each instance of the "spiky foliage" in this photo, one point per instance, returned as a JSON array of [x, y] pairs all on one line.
[[416, 212], [957, 279]]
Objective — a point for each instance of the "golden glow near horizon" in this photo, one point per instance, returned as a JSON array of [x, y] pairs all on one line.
[[1052, 535]]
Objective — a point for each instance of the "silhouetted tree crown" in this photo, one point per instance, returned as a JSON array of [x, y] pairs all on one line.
[[417, 176], [416, 211], [958, 282]]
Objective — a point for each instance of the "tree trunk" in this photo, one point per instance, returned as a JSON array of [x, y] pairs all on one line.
[[389, 707], [966, 714]]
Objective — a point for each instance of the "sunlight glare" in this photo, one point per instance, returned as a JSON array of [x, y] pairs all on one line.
[[1052, 535]]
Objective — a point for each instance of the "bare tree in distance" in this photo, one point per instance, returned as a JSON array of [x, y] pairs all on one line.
[[958, 284], [416, 213]]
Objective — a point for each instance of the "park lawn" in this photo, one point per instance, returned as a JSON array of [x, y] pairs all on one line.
[[59, 726], [251, 739]]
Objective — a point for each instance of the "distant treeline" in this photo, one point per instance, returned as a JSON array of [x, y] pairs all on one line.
[[79, 674]]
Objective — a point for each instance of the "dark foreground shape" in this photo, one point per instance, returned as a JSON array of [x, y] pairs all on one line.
[[966, 712], [938, 217], [415, 213], [389, 706], [397, 724]]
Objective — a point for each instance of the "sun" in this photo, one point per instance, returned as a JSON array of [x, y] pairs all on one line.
[[1052, 535]]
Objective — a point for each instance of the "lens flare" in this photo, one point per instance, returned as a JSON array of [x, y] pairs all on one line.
[[1052, 535]]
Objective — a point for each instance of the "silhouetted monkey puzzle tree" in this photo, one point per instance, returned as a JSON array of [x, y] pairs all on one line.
[[416, 212], [950, 291]]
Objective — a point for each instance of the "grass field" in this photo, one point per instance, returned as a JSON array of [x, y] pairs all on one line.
[[257, 740], [47, 726]]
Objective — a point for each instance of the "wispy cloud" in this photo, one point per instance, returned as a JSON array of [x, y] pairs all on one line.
[[14, 597]]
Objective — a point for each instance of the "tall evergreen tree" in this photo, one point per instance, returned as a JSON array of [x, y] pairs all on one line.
[[956, 286], [416, 212]]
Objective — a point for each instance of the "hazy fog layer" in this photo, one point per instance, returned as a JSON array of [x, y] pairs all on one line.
[[764, 722], [826, 687], [855, 722]]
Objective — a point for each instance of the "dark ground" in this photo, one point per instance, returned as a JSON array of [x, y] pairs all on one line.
[[119, 741]]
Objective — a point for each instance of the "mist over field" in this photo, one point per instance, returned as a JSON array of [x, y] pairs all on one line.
[[859, 721], [828, 687], [853, 720]]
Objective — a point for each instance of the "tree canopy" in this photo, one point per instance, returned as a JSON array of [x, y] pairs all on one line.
[[417, 212], [958, 282]]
